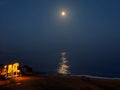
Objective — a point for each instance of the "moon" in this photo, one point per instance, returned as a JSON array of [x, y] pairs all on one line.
[[63, 13]]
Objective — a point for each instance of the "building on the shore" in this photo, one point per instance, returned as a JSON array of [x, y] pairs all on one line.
[[10, 70], [14, 70]]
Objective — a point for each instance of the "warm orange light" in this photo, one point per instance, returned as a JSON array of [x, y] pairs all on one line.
[[5, 66], [15, 67], [18, 71], [10, 68]]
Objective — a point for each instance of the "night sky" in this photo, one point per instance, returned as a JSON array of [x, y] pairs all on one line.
[[34, 33]]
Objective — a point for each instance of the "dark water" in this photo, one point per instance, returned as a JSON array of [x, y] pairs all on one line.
[[93, 64]]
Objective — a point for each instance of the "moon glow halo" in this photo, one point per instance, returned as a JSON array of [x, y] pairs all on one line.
[[63, 13]]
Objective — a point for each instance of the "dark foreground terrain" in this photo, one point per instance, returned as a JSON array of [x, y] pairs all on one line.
[[52, 82]]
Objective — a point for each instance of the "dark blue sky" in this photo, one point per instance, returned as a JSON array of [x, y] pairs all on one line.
[[34, 33]]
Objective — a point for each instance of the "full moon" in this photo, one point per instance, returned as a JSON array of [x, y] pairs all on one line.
[[63, 13]]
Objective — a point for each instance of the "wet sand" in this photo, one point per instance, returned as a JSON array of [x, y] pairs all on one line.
[[54, 82]]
